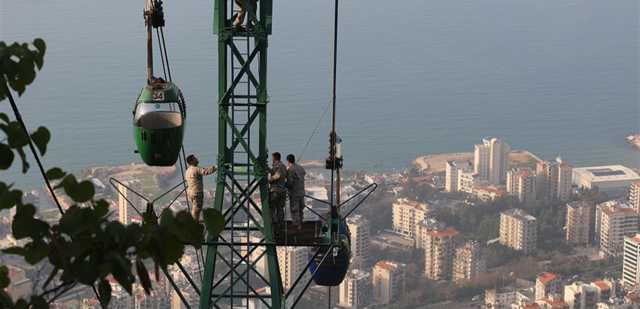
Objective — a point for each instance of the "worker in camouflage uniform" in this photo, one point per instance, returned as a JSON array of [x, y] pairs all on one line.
[[295, 185], [195, 191], [277, 188]]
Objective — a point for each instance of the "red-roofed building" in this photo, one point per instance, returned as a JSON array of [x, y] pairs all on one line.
[[388, 281], [547, 285], [614, 220], [439, 250]]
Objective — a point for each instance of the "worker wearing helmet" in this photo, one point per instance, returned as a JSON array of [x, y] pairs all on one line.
[[277, 188], [295, 184], [238, 19], [195, 192]]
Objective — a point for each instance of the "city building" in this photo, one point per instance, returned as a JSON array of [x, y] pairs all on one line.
[[521, 183], [468, 262], [407, 215], [424, 227], [292, 261], [467, 180], [388, 282], [491, 159], [488, 193], [500, 298], [128, 201], [614, 180], [614, 220], [578, 222], [439, 250], [548, 285], [518, 230], [355, 290], [359, 228], [452, 170], [631, 262], [553, 179], [634, 195], [580, 295]]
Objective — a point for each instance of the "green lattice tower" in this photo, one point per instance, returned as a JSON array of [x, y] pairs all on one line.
[[229, 278]]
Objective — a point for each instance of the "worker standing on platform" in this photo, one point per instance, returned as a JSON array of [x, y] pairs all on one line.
[[238, 19], [195, 191], [277, 188], [295, 184]]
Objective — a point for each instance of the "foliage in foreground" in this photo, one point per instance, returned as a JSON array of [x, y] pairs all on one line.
[[85, 247]]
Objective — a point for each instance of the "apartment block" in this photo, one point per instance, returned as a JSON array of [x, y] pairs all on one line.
[[468, 263], [518, 230], [407, 215], [388, 282], [615, 219], [579, 223], [439, 251]]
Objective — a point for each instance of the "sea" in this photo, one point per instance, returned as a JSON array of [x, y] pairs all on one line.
[[555, 77]]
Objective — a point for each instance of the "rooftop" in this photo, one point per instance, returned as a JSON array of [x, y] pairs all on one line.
[[602, 285], [448, 232], [607, 173], [411, 203], [388, 265], [519, 214], [615, 207], [546, 277]]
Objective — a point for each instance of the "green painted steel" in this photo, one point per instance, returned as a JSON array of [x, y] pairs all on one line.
[[159, 123], [242, 161]]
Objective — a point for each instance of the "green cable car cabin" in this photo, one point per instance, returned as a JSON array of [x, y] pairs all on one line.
[[158, 123]]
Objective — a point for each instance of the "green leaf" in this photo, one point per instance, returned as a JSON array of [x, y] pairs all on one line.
[[122, 271], [104, 290], [9, 198], [55, 173], [16, 136], [38, 302], [144, 276], [79, 192], [101, 208], [4, 116], [6, 156], [4, 277], [25, 225], [41, 138], [35, 251], [214, 221], [15, 251]]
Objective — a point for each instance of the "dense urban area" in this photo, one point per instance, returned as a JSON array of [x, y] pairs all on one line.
[[491, 228]]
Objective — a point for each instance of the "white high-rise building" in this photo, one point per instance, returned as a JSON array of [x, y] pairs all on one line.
[[579, 222], [631, 262], [614, 220], [634, 195], [554, 180], [491, 159], [468, 263], [388, 282], [407, 215], [355, 290], [518, 230], [359, 228], [522, 184], [292, 261], [127, 200], [452, 172], [439, 251]]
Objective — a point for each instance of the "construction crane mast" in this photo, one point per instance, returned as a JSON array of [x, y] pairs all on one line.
[[231, 277]]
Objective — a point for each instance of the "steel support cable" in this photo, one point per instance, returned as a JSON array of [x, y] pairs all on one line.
[[16, 113], [18, 116], [164, 55]]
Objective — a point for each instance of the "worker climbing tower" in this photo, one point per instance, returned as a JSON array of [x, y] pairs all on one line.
[[231, 277]]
